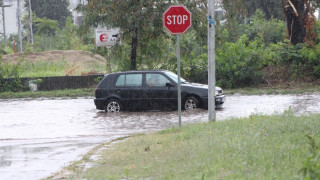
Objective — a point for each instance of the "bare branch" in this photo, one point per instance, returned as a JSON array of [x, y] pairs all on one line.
[[294, 9]]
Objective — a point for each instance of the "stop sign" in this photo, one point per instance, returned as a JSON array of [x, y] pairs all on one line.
[[177, 19]]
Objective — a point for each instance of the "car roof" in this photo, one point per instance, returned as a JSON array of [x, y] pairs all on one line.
[[141, 71]]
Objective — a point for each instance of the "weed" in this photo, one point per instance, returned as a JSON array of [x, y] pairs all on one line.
[[311, 166]]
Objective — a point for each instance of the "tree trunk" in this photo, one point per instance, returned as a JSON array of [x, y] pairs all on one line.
[[134, 45], [294, 11]]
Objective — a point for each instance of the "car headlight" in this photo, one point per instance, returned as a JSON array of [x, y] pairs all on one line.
[[217, 92]]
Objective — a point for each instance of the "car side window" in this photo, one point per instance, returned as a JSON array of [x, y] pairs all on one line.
[[154, 79], [129, 80]]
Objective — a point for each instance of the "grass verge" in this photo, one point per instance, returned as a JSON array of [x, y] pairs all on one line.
[[258, 147], [306, 88], [54, 93]]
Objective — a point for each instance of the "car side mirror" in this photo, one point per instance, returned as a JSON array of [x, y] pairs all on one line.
[[169, 84]]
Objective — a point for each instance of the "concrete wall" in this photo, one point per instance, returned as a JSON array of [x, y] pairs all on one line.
[[61, 82]]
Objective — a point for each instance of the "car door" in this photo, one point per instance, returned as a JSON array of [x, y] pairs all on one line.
[[159, 94], [129, 89]]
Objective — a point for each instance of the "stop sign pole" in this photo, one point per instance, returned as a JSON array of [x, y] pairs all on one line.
[[177, 19]]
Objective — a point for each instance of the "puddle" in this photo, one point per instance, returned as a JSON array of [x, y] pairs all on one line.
[[39, 136]]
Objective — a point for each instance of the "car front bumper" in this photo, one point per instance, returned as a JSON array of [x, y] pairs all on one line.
[[219, 100]]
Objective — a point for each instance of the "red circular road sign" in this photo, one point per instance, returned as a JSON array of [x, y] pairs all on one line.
[[177, 19], [104, 38]]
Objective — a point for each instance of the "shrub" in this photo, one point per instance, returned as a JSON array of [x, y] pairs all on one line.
[[238, 64], [9, 78]]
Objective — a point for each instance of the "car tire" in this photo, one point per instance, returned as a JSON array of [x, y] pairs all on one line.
[[190, 103], [113, 105]]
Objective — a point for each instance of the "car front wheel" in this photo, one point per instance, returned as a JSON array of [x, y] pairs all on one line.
[[190, 103], [113, 105]]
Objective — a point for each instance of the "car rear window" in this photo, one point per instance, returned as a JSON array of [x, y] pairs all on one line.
[[129, 80]]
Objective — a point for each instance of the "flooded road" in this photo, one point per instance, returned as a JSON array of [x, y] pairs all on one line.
[[40, 136]]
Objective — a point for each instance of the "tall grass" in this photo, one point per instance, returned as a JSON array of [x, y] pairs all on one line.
[[57, 68], [43, 68], [258, 147]]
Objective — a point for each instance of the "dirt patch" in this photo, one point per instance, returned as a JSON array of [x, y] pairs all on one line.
[[78, 62], [73, 57]]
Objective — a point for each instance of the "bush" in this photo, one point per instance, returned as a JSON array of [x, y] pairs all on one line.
[[9, 78], [238, 64], [312, 58]]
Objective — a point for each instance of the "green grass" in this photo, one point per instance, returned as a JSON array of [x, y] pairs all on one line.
[[56, 68], [258, 147], [276, 90], [43, 68], [54, 93]]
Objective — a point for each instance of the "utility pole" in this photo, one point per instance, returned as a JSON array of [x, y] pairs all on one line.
[[19, 26], [211, 61], [30, 23], [3, 23]]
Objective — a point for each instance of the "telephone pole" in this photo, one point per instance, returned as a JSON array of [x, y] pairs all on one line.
[[30, 23], [19, 26], [3, 23], [211, 61]]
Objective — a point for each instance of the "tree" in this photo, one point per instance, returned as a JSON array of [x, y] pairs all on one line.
[[55, 10], [271, 8], [246, 8], [300, 19], [45, 27], [139, 20]]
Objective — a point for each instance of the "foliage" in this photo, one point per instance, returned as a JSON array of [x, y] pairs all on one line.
[[67, 38], [311, 166], [238, 63], [9, 77], [241, 9], [312, 59], [46, 27], [271, 31], [139, 21], [57, 10], [271, 8]]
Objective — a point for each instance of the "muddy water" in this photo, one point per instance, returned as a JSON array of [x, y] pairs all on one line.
[[38, 137]]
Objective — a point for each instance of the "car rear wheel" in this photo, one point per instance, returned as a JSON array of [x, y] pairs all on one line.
[[113, 105], [190, 103]]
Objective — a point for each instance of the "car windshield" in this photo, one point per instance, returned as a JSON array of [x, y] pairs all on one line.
[[174, 77]]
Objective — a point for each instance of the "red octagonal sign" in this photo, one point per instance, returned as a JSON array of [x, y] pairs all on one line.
[[177, 19]]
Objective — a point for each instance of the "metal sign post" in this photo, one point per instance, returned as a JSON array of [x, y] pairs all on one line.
[[177, 19], [179, 83]]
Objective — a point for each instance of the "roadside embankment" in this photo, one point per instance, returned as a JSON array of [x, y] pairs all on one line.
[[258, 147]]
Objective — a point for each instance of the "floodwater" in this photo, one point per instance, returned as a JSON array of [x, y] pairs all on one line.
[[40, 136]]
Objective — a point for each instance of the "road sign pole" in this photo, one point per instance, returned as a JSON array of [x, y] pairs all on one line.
[[179, 83], [211, 61], [177, 19]]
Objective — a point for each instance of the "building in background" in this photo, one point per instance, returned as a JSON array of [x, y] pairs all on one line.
[[77, 16]]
